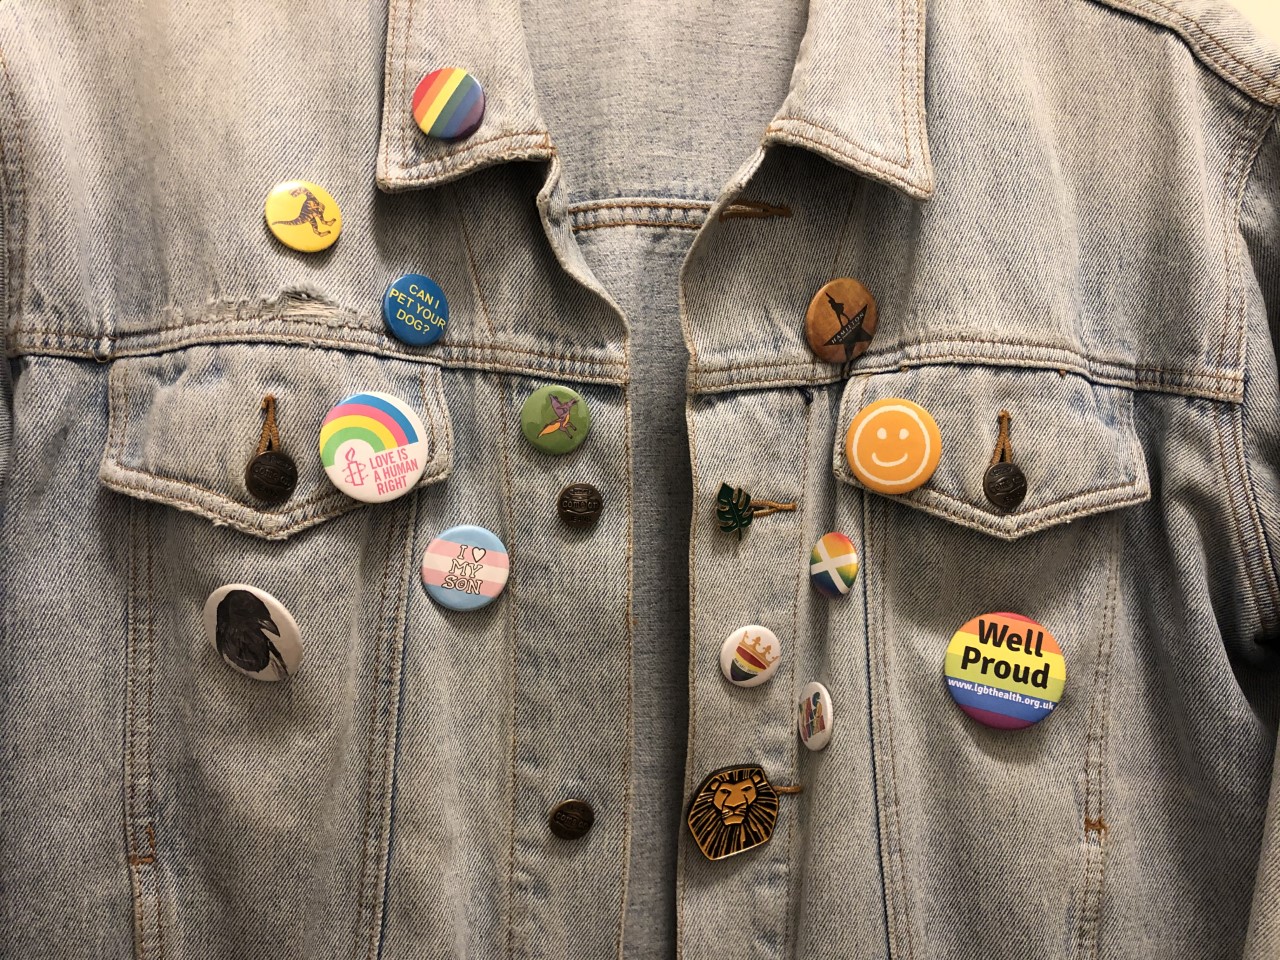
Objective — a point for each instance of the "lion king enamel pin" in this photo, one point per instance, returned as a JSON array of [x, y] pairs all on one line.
[[734, 810]]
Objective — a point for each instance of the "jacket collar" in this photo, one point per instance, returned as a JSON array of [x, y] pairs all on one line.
[[856, 97], [857, 93]]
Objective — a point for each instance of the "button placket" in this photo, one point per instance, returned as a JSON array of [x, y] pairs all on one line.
[[762, 579], [571, 662]]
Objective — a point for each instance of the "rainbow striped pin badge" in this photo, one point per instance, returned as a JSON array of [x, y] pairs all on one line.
[[373, 447], [833, 565], [1005, 670], [448, 104], [750, 655]]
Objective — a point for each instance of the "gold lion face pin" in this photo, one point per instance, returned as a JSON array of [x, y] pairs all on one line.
[[734, 810]]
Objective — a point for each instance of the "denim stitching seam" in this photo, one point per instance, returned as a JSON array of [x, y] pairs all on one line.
[[1242, 543], [1269, 83], [506, 390], [1088, 896], [388, 692], [1250, 144], [15, 239], [791, 932], [1268, 121], [629, 797], [471, 259], [1255, 552], [691, 750]]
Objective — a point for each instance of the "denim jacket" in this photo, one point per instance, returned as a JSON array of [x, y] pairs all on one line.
[[1067, 210]]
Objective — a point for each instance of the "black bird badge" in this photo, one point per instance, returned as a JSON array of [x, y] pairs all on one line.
[[245, 633]]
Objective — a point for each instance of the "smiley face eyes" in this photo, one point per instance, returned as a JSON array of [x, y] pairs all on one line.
[[883, 434]]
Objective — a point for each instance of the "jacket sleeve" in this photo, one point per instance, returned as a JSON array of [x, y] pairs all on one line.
[[1260, 232], [1263, 942]]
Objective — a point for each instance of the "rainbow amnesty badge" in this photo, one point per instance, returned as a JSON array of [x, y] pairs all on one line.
[[373, 447], [1005, 670]]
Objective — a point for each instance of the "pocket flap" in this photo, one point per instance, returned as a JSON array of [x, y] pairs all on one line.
[[1074, 441], [184, 426]]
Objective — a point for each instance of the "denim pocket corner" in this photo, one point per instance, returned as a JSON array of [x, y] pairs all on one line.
[[184, 425], [1073, 439]]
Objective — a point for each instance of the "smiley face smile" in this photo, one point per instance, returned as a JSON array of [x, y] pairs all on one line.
[[875, 458]]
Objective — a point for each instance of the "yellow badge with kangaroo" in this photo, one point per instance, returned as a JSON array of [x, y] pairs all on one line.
[[303, 216]]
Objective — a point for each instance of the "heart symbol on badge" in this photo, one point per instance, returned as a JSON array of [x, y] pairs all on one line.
[[477, 553]]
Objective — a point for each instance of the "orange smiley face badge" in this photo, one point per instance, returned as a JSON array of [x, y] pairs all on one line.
[[893, 446]]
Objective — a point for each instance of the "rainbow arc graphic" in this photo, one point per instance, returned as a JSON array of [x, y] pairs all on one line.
[[365, 417]]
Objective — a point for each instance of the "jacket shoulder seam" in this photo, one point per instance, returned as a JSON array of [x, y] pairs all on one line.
[[1251, 72]]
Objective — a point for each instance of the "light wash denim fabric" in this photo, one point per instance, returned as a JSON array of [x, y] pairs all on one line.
[[1066, 209]]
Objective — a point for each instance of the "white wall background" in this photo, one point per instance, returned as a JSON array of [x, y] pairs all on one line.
[[1265, 13]]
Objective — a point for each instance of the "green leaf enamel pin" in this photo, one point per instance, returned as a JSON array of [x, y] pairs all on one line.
[[735, 509]]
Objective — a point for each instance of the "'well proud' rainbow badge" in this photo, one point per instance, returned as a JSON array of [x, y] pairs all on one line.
[[373, 447], [448, 104], [1005, 670]]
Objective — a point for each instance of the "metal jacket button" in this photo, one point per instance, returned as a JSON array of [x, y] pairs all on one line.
[[271, 476], [303, 216], [571, 819], [1005, 485], [1005, 670], [253, 632], [840, 321], [448, 104], [579, 505]]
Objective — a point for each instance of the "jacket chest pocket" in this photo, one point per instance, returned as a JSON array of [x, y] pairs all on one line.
[[236, 789], [1073, 442], [959, 547], [184, 427]]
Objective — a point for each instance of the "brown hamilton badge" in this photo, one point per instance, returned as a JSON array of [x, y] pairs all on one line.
[[734, 810], [841, 321]]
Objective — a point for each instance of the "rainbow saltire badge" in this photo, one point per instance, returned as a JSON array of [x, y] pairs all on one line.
[[373, 447], [833, 565], [448, 104], [1005, 670]]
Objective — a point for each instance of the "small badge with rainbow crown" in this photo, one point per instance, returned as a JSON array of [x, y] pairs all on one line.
[[750, 655]]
